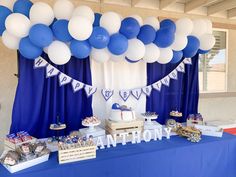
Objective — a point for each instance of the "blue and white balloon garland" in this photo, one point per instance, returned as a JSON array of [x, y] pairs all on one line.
[[65, 30]]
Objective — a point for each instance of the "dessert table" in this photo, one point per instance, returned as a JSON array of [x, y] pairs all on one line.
[[176, 157]]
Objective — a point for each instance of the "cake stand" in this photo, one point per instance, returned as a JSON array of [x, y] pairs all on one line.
[[176, 116], [57, 128], [149, 124], [91, 127], [92, 130]]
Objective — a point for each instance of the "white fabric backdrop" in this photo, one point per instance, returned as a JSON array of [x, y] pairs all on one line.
[[117, 76]]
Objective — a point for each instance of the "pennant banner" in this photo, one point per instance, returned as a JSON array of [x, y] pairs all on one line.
[[181, 68], [40, 63], [187, 61], [136, 93], [107, 93], [90, 90], [64, 79], [147, 90], [166, 81], [51, 71], [174, 74], [77, 85], [157, 85], [124, 94]]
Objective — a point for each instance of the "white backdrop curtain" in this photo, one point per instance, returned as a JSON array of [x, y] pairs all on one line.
[[117, 76]]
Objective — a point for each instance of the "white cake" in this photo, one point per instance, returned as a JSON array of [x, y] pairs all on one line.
[[122, 116]]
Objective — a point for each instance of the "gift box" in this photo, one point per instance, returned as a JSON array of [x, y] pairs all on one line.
[[9, 145], [210, 130], [12, 141], [229, 126]]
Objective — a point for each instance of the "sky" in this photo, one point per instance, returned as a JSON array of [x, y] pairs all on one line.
[[219, 58]]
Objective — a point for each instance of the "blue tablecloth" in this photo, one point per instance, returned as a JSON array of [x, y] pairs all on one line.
[[212, 157]]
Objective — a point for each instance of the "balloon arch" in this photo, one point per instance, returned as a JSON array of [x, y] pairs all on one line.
[[65, 30]]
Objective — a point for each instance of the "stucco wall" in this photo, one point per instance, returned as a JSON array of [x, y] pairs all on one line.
[[8, 82]]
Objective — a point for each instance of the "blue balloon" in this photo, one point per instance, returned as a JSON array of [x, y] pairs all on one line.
[[22, 7], [28, 49], [97, 19], [203, 51], [60, 30], [99, 38], [80, 49], [164, 38], [4, 12], [118, 44], [167, 23], [147, 34], [177, 56], [131, 61], [192, 47], [129, 27], [41, 35]]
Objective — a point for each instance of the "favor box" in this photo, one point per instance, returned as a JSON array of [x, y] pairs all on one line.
[[210, 130], [27, 164], [12, 146], [76, 154]]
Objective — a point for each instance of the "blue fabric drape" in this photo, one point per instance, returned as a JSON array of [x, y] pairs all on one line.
[[181, 95], [39, 100]]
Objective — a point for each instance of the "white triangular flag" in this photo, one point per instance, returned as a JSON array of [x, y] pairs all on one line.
[[157, 85], [90, 90], [40, 63], [77, 85], [51, 71], [187, 61], [64, 79], [166, 81], [147, 90], [181, 67], [174, 74], [137, 93], [107, 94], [124, 94]]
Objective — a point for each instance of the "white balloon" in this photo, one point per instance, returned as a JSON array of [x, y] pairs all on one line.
[[45, 50], [63, 9], [18, 25], [184, 26], [59, 53], [138, 18], [153, 21], [166, 54], [80, 28], [41, 12], [84, 11], [199, 27], [111, 21], [209, 26], [207, 41], [152, 53], [7, 3], [10, 41], [100, 55], [136, 50], [180, 42]]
